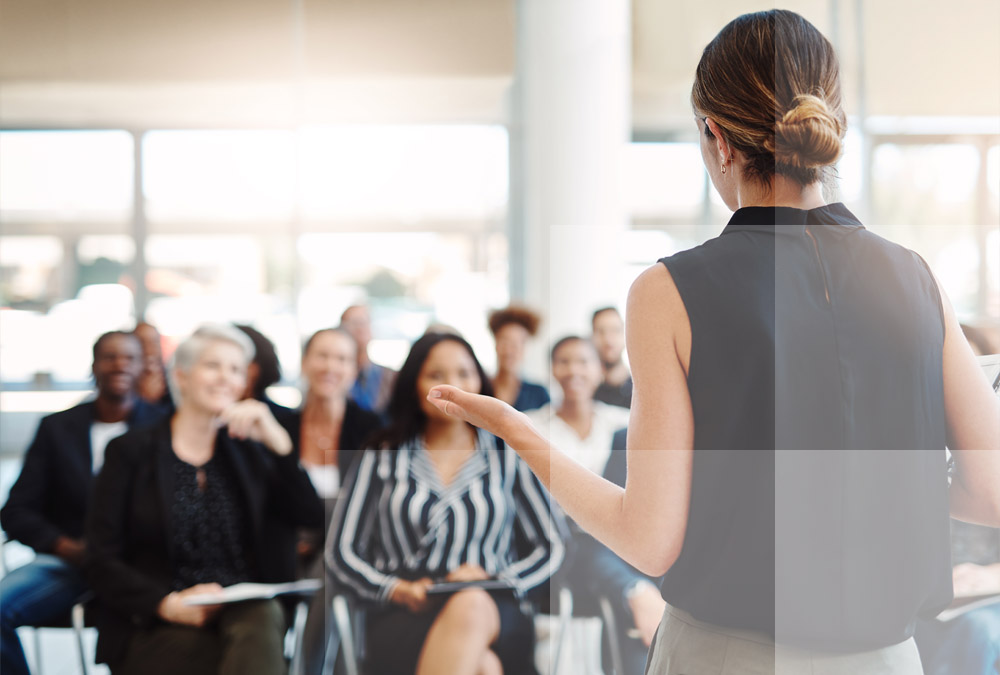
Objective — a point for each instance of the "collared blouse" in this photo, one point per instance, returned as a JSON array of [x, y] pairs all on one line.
[[398, 521]]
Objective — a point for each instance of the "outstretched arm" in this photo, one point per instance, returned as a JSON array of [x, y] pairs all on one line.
[[645, 522], [972, 411]]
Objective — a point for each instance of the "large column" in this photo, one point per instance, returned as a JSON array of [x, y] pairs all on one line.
[[570, 123]]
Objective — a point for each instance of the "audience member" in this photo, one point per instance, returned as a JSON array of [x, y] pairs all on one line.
[[263, 372], [970, 643], [609, 339], [177, 512], [511, 328], [330, 428], [48, 502], [585, 429], [329, 432], [152, 386], [440, 501], [374, 382], [580, 425]]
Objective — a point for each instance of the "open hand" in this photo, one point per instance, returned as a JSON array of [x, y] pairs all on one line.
[[173, 610], [251, 419], [485, 412]]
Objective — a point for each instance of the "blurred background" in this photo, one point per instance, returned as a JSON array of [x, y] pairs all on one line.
[[271, 162]]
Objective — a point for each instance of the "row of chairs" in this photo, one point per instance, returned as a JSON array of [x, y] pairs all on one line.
[[348, 616], [349, 619]]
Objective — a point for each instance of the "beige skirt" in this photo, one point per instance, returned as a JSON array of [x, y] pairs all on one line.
[[685, 646]]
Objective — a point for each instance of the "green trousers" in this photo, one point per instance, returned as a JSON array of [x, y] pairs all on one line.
[[246, 638]]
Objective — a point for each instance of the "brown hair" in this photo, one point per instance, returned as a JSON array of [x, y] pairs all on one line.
[[520, 315], [771, 82]]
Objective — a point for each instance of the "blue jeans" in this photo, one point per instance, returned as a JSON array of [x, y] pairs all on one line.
[[44, 590], [969, 644]]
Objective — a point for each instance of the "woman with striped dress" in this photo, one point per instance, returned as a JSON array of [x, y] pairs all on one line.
[[439, 500]]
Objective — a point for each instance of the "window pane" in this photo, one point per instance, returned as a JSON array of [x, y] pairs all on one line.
[[924, 184], [664, 180], [220, 175], [404, 173], [66, 175]]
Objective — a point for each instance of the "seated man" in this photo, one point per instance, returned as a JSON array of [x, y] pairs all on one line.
[[47, 505], [586, 429], [635, 598]]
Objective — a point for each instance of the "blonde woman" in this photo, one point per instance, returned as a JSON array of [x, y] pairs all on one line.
[[178, 511]]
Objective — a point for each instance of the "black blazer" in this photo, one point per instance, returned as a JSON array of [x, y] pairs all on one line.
[[129, 556], [359, 425], [50, 497]]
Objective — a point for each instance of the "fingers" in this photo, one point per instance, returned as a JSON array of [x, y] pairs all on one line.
[[447, 399], [241, 418]]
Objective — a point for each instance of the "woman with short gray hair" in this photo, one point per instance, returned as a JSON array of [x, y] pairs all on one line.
[[177, 513]]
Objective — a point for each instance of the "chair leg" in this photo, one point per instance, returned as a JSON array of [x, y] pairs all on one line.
[[37, 638], [611, 626], [565, 619], [298, 627], [78, 626], [342, 617]]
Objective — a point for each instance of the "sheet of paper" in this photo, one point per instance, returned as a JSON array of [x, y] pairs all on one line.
[[250, 591]]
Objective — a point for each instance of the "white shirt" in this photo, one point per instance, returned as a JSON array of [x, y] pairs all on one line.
[[325, 478], [594, 450], [101, 434]]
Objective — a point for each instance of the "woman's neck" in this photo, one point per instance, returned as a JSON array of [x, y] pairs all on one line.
[[448, 435], [506, 377], [193, 434], [781, 191], [575, 409], [323, 409]]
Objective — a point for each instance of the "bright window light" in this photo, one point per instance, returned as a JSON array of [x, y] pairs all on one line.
[[220, 175], [663, 179], [66, 175], [404, 173]]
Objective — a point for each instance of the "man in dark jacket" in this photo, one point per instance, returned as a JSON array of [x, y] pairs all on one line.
[[47, 505]]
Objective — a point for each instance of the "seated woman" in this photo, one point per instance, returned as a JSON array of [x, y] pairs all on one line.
[[586, 430], [178, 511], [328, 431], [330, 428], [511, 328], [440, 501]]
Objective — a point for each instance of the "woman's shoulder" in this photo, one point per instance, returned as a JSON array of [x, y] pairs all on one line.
[[139, 445], [358, 417]]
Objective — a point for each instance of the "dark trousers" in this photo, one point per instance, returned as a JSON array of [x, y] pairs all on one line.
[[246, 638]]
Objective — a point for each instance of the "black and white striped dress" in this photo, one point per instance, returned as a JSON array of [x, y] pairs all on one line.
[[398, 521]]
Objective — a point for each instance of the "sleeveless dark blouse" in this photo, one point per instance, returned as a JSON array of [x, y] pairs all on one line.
[[819, 503]]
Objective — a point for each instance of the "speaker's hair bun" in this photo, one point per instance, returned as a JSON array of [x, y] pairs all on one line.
[[808, 135]]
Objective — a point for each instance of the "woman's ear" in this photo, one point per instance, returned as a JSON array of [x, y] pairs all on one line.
[[722, 145]]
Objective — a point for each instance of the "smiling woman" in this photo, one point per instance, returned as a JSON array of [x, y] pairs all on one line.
[[179, 510], [437, 500]]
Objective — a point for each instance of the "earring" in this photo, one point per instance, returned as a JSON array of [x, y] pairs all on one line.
[[723, 168]]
